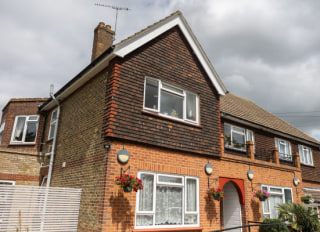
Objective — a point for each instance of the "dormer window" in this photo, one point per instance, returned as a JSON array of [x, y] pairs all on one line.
[[236, 137], [170, 101], [25, 129], [284, 149]]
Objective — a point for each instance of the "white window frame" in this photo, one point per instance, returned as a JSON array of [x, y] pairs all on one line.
[[308, 160], [53, 123], [288, 152], [171, 91], [12, 182], [156, 183], [274, 193], [25, 129], [3, 124], [246, 135]]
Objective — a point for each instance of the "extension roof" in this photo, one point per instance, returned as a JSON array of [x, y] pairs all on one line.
[[132, 43], [242, 110]]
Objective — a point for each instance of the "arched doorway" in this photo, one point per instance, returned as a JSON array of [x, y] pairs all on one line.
[[231, 207]]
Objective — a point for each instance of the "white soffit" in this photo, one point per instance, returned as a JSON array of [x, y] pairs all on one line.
[[144, 37]]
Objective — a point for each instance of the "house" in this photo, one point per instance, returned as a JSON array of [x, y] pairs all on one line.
[[20, 141], [156, 98]]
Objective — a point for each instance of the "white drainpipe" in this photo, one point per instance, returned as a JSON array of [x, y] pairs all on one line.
[[52, 153]]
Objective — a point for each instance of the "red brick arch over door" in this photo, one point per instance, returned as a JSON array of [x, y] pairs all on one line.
[[238, 183]]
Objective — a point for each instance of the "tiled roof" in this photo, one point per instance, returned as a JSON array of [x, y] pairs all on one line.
[[244, 109], [149, 27]]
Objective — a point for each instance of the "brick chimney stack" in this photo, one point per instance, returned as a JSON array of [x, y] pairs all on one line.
[[103, 39]]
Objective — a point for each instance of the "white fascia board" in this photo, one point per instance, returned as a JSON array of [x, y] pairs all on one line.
[[81, 81], [139, 40]]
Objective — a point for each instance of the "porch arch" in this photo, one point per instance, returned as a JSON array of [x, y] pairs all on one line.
[[238, 184]]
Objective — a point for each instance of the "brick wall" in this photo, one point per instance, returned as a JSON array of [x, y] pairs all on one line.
[[312, 173], [170, 59], [119, 214], [80, 146]]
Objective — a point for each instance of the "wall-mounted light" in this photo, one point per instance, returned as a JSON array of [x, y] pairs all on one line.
[[123, 156], [250, 175], [296, 181], [208, 169]]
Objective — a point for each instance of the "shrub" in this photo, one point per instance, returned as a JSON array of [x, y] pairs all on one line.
[[273, 228]]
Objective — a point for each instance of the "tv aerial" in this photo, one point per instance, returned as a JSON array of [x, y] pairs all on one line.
[[117, 8]]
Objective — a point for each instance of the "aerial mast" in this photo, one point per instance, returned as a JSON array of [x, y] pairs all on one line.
[[117, 8]]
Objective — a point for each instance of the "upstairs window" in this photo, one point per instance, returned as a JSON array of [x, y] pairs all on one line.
[[170, 101], [284, 149], [53, 124], [237, 137], [305, 154], [2, 129], [25, 129]]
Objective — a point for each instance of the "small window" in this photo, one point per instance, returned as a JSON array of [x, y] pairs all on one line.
[[7, 182], [284, 149], [167, 201], [236, 137], [2, 129], [25, 129], [305, 154], [170, 101], [53, 124], [278, 196]]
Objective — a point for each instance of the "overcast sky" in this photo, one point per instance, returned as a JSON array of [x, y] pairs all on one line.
[[267, 51]]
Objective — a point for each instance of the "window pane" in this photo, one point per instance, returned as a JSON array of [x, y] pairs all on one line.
[[18, 133], [171, 88], [151, 94], [168, 206], [33, 118], [249, 135], [54, 116], [31, 132], [146, 195], [191, 107], [227, 135], [190, 219], [144, 220], [170, 179], [52, 129], [275, 200], [171, 105], [237, 129], [238, 140], [287, 195], [276, 190], [266, 208], [191, 195]]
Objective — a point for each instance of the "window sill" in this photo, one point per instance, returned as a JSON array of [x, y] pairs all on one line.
[[170, 229], [21, 144], [235, 149], [307, 165], [171, 119]]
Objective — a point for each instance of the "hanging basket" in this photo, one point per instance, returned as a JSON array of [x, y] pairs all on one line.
[[262, 198], [216, 197], [127, 189]]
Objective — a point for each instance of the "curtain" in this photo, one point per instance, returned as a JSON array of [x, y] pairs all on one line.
[[168, 206], [19, 129], [274, 201], [146, 195], [191, 195]]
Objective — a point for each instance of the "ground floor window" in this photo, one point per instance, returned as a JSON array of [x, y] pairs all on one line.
[[278, 196], [167, 201]]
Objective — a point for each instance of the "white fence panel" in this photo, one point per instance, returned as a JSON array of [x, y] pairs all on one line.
[[34, 209]]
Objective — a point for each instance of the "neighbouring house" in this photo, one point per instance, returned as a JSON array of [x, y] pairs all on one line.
[[156, 98], [20, 141]]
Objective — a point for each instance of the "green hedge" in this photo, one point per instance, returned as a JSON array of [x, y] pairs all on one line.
[[273, 228]]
